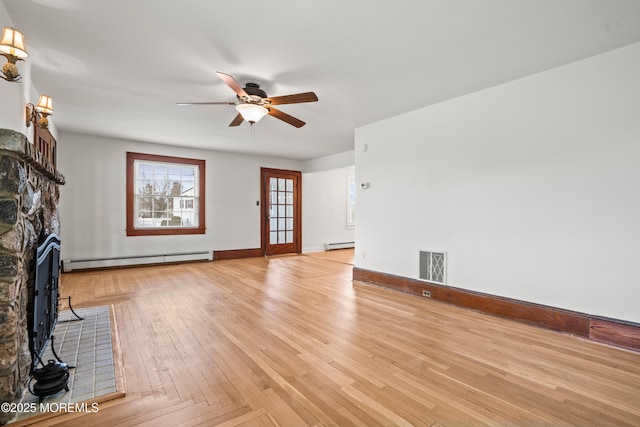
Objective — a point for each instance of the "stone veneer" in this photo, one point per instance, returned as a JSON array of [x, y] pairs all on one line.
[[29, 194]]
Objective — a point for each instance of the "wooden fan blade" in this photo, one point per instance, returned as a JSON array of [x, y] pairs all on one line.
[[285, 117], [183, 104], [293, 99], [233, 84], [237, 121]]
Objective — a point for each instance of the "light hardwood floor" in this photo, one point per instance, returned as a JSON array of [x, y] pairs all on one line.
[[291, 341]]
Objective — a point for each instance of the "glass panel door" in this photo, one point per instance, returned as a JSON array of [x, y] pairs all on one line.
[[281, 210], [281, 214]]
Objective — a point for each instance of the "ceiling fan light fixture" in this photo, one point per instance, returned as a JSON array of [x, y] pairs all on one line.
[[252, 112]]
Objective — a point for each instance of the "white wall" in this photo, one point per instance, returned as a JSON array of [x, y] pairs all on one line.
[[14, 96], [532, 187], [335, 161], [10, 93], [92, 203], [324, 201], [324, 208]]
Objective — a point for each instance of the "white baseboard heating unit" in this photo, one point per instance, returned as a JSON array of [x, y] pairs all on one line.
[[82, 264], [343, 245]]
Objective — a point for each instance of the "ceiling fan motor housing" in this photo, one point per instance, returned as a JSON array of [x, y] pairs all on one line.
[[253, 89]]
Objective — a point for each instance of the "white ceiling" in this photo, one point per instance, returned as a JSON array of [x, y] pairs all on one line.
[[118, 67]]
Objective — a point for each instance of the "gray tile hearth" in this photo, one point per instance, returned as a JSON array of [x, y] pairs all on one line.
[[85, 344]]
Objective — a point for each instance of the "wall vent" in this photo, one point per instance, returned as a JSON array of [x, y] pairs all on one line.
[[433, 266]]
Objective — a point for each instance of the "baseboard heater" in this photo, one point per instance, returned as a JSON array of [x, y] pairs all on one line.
[[343, 245], [83, 264]]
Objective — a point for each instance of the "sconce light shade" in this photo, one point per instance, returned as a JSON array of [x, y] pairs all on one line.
[[12, 48], [252, 112], [45, 105], [12, 43]]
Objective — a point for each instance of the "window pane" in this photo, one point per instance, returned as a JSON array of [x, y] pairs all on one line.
[[145, 170], [281, 224], [174, 174], [194, 218], [273, 237], [165, 195], [289, 237], [289, 198], [273, 184], [289, 211], [144, 203], [146, 187], [281, 238], [281, 211], [159, 171], [281, 198], [273, 211], [281, 185], [273, 224], [289, 185], [351, 202], [274, 197], [289, 224], [146, 221]]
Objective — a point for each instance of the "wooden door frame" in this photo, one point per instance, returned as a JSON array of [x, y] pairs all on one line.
[[264, 205]]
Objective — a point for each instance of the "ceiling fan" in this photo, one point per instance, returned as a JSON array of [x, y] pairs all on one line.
[[254, 103]]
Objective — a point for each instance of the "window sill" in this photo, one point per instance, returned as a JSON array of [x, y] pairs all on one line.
[[163, 231]]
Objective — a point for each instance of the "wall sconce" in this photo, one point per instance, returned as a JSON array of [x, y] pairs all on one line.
[[12, 48], [44, 107]]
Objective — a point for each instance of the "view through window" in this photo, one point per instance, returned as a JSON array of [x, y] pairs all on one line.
[[351, 201], [165, 195]]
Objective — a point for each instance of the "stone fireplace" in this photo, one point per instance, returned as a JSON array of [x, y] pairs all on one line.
[[29, 194]]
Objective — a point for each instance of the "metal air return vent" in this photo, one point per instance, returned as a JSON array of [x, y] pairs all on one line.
[[433, 266]]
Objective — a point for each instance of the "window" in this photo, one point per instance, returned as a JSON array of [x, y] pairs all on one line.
[[165, 195], [351, 201]]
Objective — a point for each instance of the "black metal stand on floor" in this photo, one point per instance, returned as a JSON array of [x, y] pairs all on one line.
[[52, 338], [53, 350], [74, 313]]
